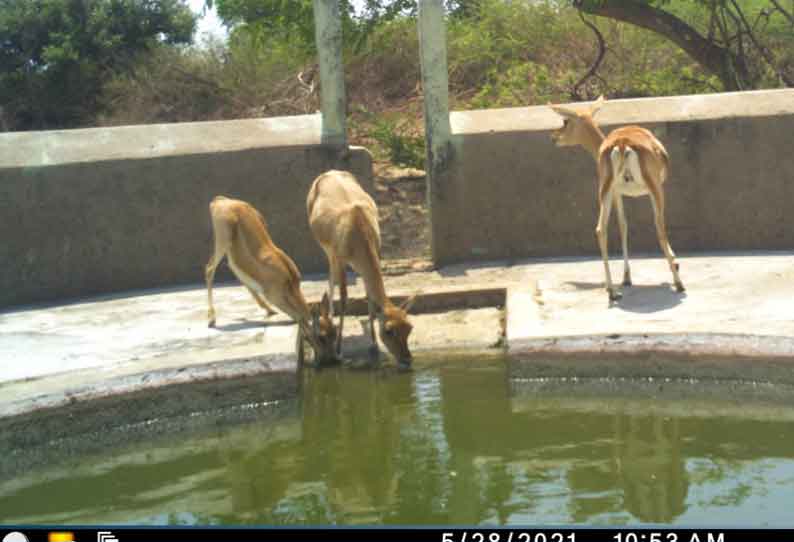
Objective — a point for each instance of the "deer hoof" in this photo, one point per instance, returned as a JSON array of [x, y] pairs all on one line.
[[373, 353], [211, 323], [614, 295], [627, 282], [679, 287]]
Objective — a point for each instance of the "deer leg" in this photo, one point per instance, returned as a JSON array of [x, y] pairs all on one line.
[[300, 347], [374, 353], [340, 270], [624, 238], [260, 300], [657, 200], [209, 277], [209, 274], [601, 233], [331, 284]]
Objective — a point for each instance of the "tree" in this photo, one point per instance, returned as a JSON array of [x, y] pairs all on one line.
[[294, 19], [727, 42], [55, 54]]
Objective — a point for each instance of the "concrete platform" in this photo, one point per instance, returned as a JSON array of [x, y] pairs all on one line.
[[52, 356], [736, 320]]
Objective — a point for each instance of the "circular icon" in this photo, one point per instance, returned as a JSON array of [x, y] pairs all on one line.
[[15, 537]]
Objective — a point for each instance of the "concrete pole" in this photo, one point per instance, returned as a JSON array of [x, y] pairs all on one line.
[[433, 57], [328, 37]]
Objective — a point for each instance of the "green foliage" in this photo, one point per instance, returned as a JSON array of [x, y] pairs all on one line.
[[513, 54], [394, 136], [744, 43], [294, 19], [404, 148], [54, 54], [57, 55]]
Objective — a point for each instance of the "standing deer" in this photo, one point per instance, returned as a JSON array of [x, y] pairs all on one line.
[[267, 272], [630, 162], [344, 221]]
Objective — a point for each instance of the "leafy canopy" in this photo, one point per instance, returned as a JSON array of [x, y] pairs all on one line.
[[54, 54]]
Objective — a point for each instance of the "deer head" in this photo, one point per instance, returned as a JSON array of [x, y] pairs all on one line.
[[577, 126], [323, 333], [394, 329]]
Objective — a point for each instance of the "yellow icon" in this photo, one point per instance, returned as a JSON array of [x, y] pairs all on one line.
[[61, 537]]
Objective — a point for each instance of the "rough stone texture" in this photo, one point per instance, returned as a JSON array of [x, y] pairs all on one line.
[[111, 209], [511, 193]]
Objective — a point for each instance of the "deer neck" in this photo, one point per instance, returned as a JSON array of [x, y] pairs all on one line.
[[370, 272], [592, 138]]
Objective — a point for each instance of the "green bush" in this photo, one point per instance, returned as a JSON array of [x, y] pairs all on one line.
[[404, 148]]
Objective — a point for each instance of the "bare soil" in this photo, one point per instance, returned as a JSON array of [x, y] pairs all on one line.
[[404, 218]]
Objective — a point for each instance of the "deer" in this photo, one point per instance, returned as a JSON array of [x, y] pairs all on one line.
[[631, 162], [241, 234], [343, 219]]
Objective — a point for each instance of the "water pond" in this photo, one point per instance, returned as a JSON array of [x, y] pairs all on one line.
[[440, 445]]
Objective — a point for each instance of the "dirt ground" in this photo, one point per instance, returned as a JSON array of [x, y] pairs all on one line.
[[404, 219]]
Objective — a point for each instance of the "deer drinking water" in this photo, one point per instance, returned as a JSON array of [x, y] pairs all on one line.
[[630, 162], [267, 272], [344, 221]]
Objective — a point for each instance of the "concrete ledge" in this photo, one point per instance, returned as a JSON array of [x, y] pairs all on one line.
[[35, 441], [93, 145], [665, 396], [434, 302], [81, 386], [696, 107], [733, 323], [713, 356], [672, 345]]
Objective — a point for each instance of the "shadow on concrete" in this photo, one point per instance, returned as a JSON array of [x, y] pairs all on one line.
[[586, 285], [648, 299], [462, 269], [250, 324], [639, 298]]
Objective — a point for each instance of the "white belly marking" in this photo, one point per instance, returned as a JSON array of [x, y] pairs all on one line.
[[246, 279]]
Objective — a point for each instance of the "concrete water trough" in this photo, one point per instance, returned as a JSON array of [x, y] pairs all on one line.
[[551, 317]]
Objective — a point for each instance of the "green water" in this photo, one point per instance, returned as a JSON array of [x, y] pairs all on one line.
[[437, 446]]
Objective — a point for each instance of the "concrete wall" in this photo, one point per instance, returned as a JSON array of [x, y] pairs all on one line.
[[511, 193], [110, 209]]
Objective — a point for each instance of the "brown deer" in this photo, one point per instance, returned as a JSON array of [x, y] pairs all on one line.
[[241, 235], [344, 221], [630, 162]]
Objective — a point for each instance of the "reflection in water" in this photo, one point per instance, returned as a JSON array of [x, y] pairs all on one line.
[[438, 446], [650, 467]]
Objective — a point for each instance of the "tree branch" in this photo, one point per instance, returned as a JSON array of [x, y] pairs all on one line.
[[602, 49], [766, 53], [717, 60], [782, 10]]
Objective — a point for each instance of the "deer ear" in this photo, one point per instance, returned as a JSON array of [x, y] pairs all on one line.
[[325, 305], [597, 105], [564, 111], [408, 303]]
